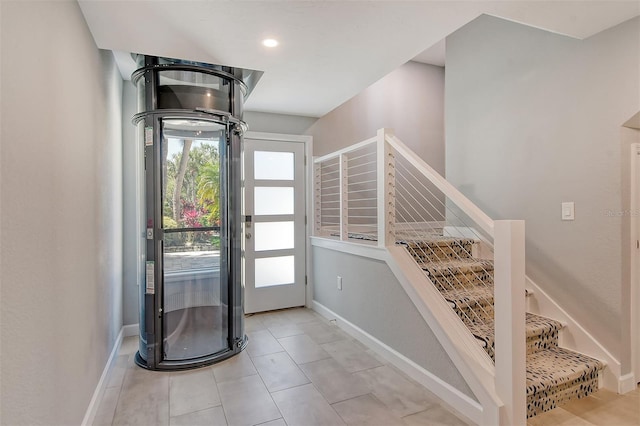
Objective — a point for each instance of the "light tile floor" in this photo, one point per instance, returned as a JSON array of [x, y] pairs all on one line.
[[298, 369], [603, 408]]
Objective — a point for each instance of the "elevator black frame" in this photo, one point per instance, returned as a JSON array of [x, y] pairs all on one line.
[[196, 104]]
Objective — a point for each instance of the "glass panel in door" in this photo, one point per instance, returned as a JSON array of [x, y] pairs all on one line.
[[195, 296]]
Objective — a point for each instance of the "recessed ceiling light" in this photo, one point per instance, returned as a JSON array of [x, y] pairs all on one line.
[[270, 42]]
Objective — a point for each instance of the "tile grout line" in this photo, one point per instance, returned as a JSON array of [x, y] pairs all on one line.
[[124, 378], [265, 385], [356, 397], [215, 382], [113, 416], [169, 400]]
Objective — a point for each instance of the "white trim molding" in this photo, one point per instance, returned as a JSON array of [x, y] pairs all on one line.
[[627, 383], [634, 261], [92, 409], [307, 140]]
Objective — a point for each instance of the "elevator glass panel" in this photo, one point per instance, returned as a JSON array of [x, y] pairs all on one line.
[[195, 294], [192, 90]]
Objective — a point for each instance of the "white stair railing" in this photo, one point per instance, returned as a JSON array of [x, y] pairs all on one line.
[[380, 192]]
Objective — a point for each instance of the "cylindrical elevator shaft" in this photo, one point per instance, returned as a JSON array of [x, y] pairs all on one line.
[[190, 123]]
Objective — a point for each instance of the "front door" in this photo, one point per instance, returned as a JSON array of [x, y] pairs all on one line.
[[274, 245]]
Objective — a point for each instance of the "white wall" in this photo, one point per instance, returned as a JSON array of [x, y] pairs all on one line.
[[410, 100], [533, 119], [61, 224]]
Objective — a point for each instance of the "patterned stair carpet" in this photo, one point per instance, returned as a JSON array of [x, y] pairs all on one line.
[[554, 375]]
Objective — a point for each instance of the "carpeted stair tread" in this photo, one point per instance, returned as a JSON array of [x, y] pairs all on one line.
[[457, 266], [556, 376], [434, 240], [476, 295], [545, 401], [458, 273], [439, 249], [473, 305], [537, 324], [556, 366], [541, 333]]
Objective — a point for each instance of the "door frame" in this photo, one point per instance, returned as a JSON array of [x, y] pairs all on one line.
[[308, 202], [634, 298]]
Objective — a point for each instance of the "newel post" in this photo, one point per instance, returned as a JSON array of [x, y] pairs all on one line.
[[386, 181], [509, 308]]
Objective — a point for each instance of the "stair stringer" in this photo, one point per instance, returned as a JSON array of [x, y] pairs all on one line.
[[467, 355], [576, 338]]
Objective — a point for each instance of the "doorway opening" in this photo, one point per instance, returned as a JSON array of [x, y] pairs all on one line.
[[276, 198]]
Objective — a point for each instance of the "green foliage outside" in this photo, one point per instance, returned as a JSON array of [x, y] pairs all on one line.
[[198, 180], [208, 193], [169, 223]]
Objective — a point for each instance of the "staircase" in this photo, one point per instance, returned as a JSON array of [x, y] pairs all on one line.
[[554, 375], [380, 193]]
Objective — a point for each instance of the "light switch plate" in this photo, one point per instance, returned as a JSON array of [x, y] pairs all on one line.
[[568, 210]]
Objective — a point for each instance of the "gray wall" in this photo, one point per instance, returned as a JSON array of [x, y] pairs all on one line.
[[277, 123], [131, 220], [534, 119], [373, 299], [61, 225], [410, 100]]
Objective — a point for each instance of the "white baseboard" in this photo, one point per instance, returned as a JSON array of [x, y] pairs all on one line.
[[627, 383], [92, 409], [452, 396], [130, 330]]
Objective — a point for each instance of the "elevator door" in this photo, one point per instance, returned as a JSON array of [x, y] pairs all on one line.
[[195, 287]]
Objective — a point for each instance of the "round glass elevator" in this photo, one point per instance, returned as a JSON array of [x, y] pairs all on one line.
[[189, 121]]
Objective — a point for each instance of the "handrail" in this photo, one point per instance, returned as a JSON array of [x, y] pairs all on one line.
[[485, 222]]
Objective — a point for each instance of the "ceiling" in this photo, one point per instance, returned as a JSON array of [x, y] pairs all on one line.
[[329, 50]]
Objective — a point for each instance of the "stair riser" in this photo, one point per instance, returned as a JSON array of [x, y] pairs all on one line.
[[435, 252], [461, 281], [534, 343], [475, 312], [541, 402], [541, 342]]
